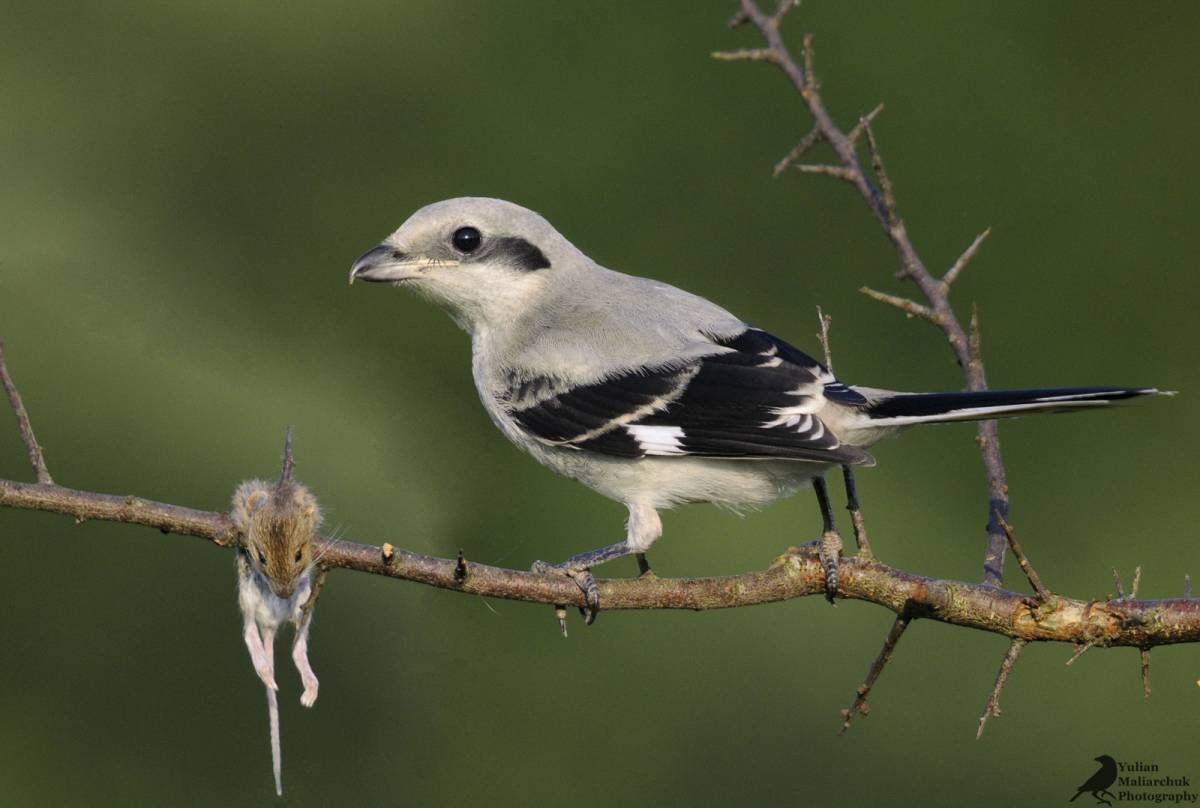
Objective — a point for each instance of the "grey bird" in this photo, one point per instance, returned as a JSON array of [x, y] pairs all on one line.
[[645, 393]]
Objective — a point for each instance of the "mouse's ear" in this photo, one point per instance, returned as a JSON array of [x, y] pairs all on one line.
[[249, 497], [255, 501]]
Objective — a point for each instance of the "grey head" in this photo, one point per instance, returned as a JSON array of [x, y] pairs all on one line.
[[483, 260]]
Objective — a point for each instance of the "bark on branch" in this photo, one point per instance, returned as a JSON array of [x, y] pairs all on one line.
[[797, 573]]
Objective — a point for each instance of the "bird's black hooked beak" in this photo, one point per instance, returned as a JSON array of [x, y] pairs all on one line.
[[378, 265]]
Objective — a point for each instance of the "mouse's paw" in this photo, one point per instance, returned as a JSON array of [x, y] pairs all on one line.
[[309, 697]]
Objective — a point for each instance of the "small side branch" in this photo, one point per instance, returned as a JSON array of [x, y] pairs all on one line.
[[992, 708], [910, 307], [859, 705], [36, 458], [968, 254], [1042, 593]]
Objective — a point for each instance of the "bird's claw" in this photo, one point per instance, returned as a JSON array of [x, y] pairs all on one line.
[[829, 550], [586, 582]]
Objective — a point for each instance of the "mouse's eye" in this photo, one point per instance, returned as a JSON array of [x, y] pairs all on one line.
[[466, 239], [299, 554], [262, 559]]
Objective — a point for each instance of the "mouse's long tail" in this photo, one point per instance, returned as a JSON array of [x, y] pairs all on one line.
[[904, 409], [276, 752]]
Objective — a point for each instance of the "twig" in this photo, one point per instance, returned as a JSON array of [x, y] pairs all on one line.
[[910, 307], [881, 176], [1117, 583], [1137, 580], [746, 55], [36, 458], [1042, 593], [844, 174], [859, 705], [954, 271], [863, 123], [823, 337], [1080, 650], [856, 518], [799, 150], [881, 201], [992, 708], [1145, 673], [289, 460]]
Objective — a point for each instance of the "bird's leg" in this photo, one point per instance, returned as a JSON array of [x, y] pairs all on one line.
[[830, 545], [577, 569], [642, 530], [643, 565]]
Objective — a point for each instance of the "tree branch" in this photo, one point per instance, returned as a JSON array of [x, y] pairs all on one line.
[[797, 573]]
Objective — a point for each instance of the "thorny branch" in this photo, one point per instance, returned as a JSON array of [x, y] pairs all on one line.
[[876, 189], [1123, 621], [796, 573]]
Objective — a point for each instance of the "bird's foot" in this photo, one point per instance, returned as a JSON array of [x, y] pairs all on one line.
[[829, 550], [583, 578]]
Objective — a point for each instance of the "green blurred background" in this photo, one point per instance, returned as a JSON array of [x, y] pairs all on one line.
[[184, 188]]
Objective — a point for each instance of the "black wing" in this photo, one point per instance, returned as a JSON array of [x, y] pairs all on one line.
[[758, 401]]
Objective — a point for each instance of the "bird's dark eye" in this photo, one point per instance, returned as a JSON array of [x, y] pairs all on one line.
[[466, 239], [262, 559], [299, 553]]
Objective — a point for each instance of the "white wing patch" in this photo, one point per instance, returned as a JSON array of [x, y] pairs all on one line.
[[657, 440]]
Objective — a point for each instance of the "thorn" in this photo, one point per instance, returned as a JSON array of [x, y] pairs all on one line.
[[799, 150], [859, 705], [1042, 593], [1137, 579], [810, 75], [885, 183], [838, 172], [460, 568], [1080, 650], [1187, 586], [747, 55], [166, 531], [974, 342], [289, 462], [37, 458], [910, 307], [738, 19], [781, 10], [959, 265], [1117, 583], [561, 613], [823, 336], [389, 554], [863, 123], [992, 708], [1145, 673]]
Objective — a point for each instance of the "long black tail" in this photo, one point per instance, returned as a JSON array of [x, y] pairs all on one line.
[[930, 408]]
